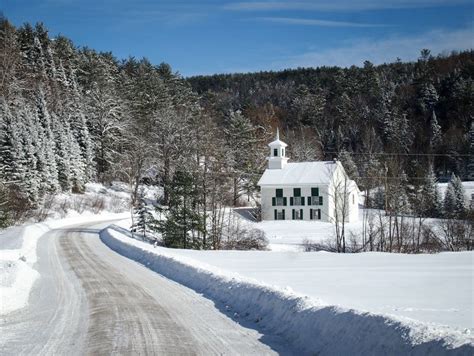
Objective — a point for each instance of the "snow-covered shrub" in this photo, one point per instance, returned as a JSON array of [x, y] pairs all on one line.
[[79, 203], [19, 206], [96, 203], [456, 235], [241, 238], [118, 205], [328, 245]]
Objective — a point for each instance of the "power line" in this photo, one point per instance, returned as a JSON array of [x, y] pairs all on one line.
[[400, 154]]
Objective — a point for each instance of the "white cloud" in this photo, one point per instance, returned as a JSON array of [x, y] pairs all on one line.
[[316, 22], [382, 51], [338, 5]]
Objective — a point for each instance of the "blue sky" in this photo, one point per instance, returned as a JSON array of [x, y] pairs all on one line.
[[211, 36]]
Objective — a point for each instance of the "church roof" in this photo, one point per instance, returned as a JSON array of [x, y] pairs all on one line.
[[277, 142], [300, 173]]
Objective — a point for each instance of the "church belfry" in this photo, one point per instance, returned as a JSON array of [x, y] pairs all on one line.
[[277, 158]]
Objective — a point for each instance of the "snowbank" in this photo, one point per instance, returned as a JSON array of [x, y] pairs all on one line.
[[17, 273], [307, 324]]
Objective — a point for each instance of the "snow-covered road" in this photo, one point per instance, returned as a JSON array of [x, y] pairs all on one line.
[[90, 300]]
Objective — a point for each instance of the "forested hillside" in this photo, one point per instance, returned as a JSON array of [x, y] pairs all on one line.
[[420, 113], [72, 115]]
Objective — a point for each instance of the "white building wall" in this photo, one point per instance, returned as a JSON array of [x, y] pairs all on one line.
[[325, 190], [340, 186], [268, 192]]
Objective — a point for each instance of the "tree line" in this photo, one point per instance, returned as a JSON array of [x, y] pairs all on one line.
[[72, 115]]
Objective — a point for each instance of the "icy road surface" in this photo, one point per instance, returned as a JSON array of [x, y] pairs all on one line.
[[90, 300]]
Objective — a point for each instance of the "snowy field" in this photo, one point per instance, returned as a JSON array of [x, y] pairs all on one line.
[[433, 288], [289, 235], [407, 303]]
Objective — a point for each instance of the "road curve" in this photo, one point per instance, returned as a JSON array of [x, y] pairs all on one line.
[[90, 300]]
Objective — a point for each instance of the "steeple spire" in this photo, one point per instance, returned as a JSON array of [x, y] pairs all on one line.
[[278, 134]]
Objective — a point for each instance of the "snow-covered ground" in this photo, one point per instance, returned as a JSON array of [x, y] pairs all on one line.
[[371, 303], [433, 288], [289, 235], [18, 258], [18, 243]]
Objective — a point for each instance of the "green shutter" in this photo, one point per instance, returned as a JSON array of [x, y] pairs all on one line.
[[275, 214], [319, 214], [320, 200], [293, 214], [273, 201], [291, 201], [309, 200], [301, 212], [279, 193], [283, 214], [284, 201], [311, 214], [302, 201]]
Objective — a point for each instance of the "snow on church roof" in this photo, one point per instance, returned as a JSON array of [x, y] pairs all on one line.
[[277, 142], [299, 173]]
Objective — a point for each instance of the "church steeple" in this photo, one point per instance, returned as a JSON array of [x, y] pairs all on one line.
[[277, 158]]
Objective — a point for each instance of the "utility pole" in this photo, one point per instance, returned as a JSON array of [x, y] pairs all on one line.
[[386, 188]]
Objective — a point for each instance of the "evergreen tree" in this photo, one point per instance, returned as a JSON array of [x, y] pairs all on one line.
[[454, 200], [348, 164], [143, 218], [47, 164], [435, 131], [32, 180], [182, 222], [430, 198], [63, 147], [12, 154]]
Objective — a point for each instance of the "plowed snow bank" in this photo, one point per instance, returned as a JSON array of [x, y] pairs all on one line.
[[307, 324]]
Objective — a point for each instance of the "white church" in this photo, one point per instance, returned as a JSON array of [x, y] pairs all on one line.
[[306, 190]]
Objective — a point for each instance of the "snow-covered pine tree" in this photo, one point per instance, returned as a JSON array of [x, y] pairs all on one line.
[[435, 131], [77, 112], [182, 220], [142, 217], [62, 137], [12, 156], [428, 97], [459, 198], [454, 200], [47, 164], [400, 201], [35, 58], [32, 179], [78, 166], [348, 164], [430, 196]]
